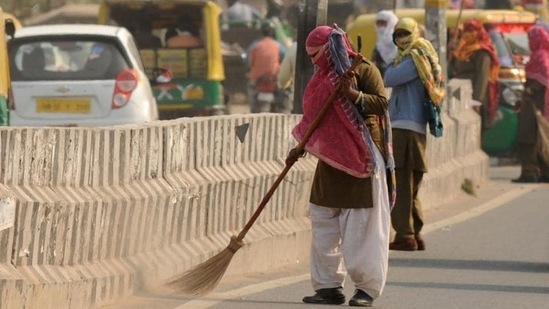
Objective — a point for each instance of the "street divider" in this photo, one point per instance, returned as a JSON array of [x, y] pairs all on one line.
[[89, 215]]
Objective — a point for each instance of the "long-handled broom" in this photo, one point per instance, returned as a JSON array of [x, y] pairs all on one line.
[[205, 276]]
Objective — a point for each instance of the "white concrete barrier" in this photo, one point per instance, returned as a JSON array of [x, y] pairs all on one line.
[[90, 214]]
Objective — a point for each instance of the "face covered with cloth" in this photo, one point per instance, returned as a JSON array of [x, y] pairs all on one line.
[[473, 39], [407, 38], [342, 139]]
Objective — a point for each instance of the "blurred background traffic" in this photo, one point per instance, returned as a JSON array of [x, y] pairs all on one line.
[[195, 54]]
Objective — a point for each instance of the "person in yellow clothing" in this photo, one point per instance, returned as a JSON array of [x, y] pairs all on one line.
[[285, 79], [415, 76]]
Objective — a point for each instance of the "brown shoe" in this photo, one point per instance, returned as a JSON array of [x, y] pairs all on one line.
[[404, 245]]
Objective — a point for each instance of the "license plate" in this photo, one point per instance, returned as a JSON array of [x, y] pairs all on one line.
[[265, 96], [62, 105]]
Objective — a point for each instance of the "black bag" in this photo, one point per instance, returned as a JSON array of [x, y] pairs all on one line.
[[433, 118]]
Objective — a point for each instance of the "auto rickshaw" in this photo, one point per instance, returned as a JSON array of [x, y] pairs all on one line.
[[239, 34], [8, 25], [538, 7], [187, 81], [508, 31]]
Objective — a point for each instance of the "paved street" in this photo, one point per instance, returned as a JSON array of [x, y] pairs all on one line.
[[488, 251]]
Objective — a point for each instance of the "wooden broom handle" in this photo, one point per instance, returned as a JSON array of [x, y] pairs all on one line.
[[299, 149]]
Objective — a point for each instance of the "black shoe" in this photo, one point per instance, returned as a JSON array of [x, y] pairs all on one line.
[[544, 178], [526, 179], [361, 299], [331, 296]]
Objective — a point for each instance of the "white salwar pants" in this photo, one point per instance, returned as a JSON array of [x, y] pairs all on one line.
[[353, 241]]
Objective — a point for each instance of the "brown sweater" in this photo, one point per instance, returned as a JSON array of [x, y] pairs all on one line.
[[334, 188], [477, 70]]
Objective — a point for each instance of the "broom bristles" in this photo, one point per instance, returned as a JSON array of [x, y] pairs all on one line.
[[205, 276]]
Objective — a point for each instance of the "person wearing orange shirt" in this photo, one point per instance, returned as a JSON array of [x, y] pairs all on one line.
[[264, 57]]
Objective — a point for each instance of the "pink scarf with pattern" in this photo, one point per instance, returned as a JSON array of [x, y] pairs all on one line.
[[339, 140]]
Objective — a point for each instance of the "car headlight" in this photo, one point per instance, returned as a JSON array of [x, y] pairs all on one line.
[[509, 96]]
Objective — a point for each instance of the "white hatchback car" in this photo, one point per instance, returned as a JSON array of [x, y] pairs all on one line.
[[78, 75]]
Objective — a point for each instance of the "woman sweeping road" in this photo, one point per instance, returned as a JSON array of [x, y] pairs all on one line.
[[350, 201]]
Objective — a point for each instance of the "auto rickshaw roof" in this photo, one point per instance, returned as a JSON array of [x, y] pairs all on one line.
[[161, 13]]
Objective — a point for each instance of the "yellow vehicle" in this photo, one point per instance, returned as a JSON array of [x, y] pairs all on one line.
[[538, 7], [8, 24], [187, 81], [508, 31]]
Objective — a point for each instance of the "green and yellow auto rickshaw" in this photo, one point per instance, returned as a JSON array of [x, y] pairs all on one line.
[[187, 80]]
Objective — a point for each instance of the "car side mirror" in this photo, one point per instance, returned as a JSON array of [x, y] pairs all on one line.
[[9, 28]]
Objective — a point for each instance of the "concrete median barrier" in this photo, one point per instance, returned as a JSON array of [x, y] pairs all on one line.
[[89, 215]]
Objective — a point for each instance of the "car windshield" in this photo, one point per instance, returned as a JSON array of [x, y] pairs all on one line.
[[65, 58], [512, 48]]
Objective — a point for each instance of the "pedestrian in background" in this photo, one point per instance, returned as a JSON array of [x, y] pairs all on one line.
[[415, 76], [242, 12], [143, 34], [385, 50], [350, 202], [475, 59], [532, 138], [263, 61], [285, 81]]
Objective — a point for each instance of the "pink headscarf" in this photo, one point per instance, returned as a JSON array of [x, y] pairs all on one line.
[[339, 140], [538, 66]]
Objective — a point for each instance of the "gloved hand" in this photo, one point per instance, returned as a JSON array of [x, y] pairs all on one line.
[[294, 155]]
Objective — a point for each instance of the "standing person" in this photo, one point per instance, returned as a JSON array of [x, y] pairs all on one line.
[[285, 79], [530, 143], [349, 202], [385, 50], [264, 57], [143, 35], [238, 11], [475, 59], [415, 76]]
